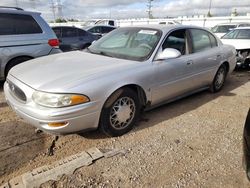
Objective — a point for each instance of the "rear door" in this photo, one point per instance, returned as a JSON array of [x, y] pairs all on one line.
[[69, 40], [206, 56]]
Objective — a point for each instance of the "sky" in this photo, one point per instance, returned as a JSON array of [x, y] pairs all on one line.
[[122, 9]]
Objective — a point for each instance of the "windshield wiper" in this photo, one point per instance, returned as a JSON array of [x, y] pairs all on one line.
[[105, 54], [100, 52]]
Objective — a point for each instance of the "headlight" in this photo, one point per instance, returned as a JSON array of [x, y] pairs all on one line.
[[58, 100]]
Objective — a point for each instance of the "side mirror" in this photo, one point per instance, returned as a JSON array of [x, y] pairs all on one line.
[[169, 53]]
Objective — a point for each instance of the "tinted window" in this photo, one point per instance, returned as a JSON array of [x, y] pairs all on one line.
[[57, 32], [81, 32], [176, 40], [95, 30], [69, 32], [200, 40], [111, 22], [16, 24], [107, 29]]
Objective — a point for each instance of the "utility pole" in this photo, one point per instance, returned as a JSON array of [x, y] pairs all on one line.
[[53, 8], [209, 9], [149, 11], [33, 3], [59, 9], [16, 3]]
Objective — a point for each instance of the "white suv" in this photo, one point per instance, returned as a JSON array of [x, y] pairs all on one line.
[[221, 29]]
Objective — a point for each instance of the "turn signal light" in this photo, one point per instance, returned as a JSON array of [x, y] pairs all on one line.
[[57, 124]]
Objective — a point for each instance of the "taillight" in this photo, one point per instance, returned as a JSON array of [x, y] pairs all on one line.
[[53, 42]]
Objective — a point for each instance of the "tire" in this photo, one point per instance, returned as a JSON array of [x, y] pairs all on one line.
[[120, 112], [219, 79], [15, 62]]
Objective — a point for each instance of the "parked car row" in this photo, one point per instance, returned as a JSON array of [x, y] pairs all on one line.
[[238, 35], [240, 39], [221, 29]]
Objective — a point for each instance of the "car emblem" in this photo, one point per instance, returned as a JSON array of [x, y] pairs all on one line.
[[12, 87]]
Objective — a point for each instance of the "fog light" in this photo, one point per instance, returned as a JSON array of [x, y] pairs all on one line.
[[57, 124]]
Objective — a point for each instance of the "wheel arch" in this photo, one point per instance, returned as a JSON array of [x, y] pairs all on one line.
[[227, 65], [134, 87], [8, 64]]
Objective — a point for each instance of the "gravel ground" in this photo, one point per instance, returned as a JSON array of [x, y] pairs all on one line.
[[194, 142]]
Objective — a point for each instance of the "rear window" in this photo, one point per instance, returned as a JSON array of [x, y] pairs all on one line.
[[17, 24]]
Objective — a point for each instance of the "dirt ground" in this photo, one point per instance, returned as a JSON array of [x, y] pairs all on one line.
[[194, 142]]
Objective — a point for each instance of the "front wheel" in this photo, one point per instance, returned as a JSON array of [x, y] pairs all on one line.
[[219, 79], [120, 112]]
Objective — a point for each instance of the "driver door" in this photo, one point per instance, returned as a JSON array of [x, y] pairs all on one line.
[[173, 75]]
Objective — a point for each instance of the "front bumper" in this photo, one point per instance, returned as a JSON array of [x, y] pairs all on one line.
[[78, 118]]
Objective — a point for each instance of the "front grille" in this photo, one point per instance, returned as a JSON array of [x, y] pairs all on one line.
[[17, 92]]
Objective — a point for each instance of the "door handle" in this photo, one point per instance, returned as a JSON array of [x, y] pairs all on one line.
[[190, 62], [218, 56]]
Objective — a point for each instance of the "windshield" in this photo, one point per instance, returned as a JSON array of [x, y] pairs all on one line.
[[238, 34], [223, 28], [128, 43]]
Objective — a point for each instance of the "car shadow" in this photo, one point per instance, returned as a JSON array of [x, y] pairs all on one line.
[[182, 106]]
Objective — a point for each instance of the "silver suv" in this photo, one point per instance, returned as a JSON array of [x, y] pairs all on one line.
[[23, 36]]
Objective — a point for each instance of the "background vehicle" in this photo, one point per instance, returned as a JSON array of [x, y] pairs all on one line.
[[124, 72], [72, 38], [23, 36], [246, 145], [240, 39], [221, 29], [99, 30]]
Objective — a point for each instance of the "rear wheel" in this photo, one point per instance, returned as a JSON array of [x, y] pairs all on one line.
[[219, 79], [120, 112]]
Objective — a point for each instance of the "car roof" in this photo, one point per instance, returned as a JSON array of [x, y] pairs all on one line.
[[65, 26], [15, 11], [90, 26], [167, 28]]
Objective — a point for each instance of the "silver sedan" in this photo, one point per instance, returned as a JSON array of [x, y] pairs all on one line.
[[108, 85]]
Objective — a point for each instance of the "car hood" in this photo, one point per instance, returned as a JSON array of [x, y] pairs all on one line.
[[239, 44], [54, 73]]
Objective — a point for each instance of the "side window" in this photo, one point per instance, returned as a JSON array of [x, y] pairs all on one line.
[[69, 32], [111, 22], [200, 40], [17, 24], [213, 41], [231, 34], [107, 29], [81, 32], [95, 30], [243, 34], [57, 31], [176, 40]]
